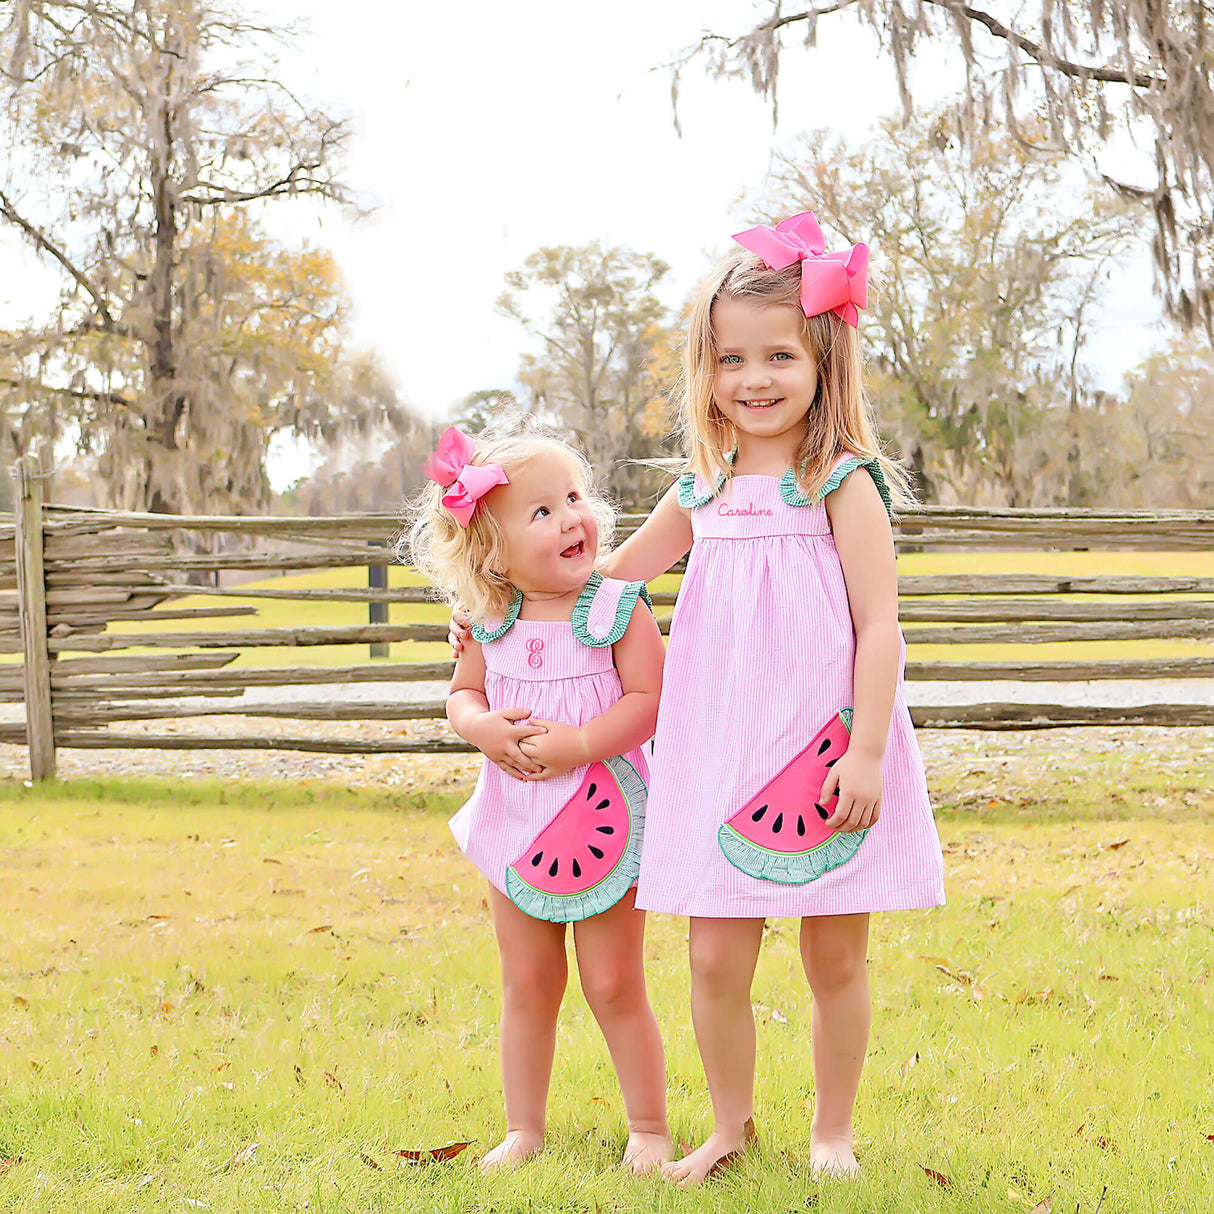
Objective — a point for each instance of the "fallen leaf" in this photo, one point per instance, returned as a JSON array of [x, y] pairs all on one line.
[[939, 1177], [332, 1081], [243, 1156], [435, 1154], [369, 1161], [166, 1007], [1107, 978], [8, 1164], [1116, 844], [1044, 1206], [21, 1001], [322, 927]]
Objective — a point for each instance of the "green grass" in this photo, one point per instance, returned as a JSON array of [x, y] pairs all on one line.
[[189, 969]]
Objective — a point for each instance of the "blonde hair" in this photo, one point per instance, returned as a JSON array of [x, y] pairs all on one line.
[[839, 422], [463, 561]]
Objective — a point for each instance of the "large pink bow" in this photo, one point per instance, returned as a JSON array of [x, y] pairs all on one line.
[[466, 483], [830, 282]]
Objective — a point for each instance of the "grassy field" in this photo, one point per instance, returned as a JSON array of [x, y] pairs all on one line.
[[279, 613], [249, 998]]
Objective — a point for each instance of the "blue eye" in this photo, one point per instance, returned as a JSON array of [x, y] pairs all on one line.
[[539, 513], [783, 354], [725, 358]]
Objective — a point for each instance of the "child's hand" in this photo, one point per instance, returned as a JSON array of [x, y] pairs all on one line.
[[857, 779], [558, 749], [497, 735], [459, 630]]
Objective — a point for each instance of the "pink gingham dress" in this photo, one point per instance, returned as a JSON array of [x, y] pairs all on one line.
[[562, 671], [761, 654]]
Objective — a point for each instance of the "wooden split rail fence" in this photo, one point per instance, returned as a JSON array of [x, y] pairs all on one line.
[[67, 575]]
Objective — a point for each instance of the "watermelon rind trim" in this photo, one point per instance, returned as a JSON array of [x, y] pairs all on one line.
[[623, 612], [482, 634], [789, 868], [569, 908]]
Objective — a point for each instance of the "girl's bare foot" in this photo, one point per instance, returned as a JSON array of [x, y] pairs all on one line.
[[512, 1150], [645, 1152], [832, 1158], [719, 1152]]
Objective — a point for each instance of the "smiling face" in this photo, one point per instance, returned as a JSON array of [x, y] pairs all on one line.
[[549, 527], [765, 379]]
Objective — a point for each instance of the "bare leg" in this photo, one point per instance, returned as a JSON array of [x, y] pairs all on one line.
[[834, 951], [534, 971], [723, 955], [610, 959]]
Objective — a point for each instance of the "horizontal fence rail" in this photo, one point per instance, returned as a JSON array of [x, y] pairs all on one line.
[[120, 619]]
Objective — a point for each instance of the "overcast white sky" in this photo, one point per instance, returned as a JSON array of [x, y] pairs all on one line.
[[488, 129]]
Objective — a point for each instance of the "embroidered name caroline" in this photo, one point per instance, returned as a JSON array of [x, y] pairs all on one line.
[[750, 510]]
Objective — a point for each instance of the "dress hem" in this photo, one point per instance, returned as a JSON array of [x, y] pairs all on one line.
[[906, 901]]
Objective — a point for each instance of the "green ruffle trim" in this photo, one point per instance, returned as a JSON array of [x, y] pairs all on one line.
[[791, 492], [480, 633], [623, 613], [789, 868], [570, 908], [689, 499]]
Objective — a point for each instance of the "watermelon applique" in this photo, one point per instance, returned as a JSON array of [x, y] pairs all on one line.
[[587, 858], [780, 834]]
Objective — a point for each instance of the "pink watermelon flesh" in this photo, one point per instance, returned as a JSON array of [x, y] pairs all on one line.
[[587, 858], [780, 834]]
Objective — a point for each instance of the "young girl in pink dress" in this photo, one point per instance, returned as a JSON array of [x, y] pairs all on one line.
[[558, 688], [784, 639]]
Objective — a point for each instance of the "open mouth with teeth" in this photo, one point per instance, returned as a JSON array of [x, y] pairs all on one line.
[[575, 550], [760, 404]]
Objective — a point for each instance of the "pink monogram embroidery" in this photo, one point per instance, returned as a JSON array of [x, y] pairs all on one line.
[[751, 510], [534, 648]]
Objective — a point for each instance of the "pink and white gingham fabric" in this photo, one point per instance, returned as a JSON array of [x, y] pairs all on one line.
[[542, 666], [760, 658]]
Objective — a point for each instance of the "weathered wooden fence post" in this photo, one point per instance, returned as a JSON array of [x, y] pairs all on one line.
[[31, 596], [377, 613]]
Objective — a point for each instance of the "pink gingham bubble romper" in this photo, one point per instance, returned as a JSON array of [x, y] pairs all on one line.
[[761, 655], [562, 670]]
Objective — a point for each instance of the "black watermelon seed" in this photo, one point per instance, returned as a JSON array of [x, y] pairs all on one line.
[[596, 852], [823, 812], [824, 747], [591, 791], [552, 870], [800, 825], [539, 855], [577, 869], [757, 816], [605, 830], [778, 824], [606, 801], [832, 762]]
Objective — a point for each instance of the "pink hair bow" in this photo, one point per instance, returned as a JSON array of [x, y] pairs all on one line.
[[830, 282], [466, 483]]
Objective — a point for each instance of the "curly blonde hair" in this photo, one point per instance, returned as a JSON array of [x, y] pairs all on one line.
[[841, 419], [462, 561]]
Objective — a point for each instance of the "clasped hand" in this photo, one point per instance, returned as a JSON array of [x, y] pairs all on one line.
[[528, 749]]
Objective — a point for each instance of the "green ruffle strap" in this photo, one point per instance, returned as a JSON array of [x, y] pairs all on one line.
[[792, 493], [623, 612], [482, 634], [689, 499]]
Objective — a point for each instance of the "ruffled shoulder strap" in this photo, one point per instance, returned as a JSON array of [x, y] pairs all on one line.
[[492, 630], [693, 489], [603, 609], [794, 495], [848, 464]]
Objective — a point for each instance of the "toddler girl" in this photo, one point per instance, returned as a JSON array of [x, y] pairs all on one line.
[[558, 688], [786, 775]]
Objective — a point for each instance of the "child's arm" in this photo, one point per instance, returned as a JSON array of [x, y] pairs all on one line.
[[655, 545], [629, 722], [495, 734], [865, 542]]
